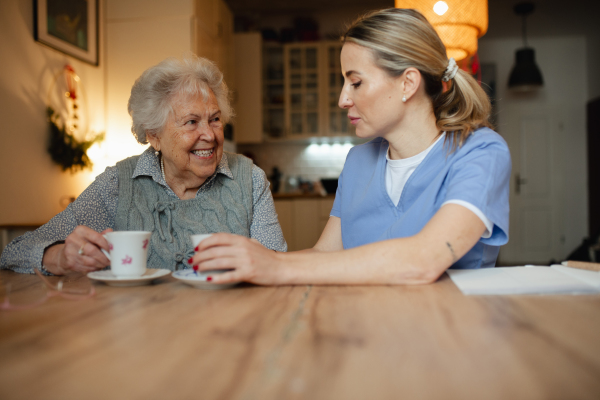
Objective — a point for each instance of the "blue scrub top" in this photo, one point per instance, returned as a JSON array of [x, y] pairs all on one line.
[[478, 172]]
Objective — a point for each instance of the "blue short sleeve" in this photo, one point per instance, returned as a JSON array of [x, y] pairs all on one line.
[[481, 176], [336, 210]]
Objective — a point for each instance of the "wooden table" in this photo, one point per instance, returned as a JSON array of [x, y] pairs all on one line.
[[172, 341]]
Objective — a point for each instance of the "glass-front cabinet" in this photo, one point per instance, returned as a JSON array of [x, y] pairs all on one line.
[[337, 118], [273, 91], [301, 87]]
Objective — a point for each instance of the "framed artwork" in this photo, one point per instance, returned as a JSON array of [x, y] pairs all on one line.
[[69, 26]]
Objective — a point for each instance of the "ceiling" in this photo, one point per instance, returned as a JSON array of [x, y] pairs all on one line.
[[301, 6], [550, 18]]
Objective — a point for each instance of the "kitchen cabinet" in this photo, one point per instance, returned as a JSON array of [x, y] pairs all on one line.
[[273, 82], [303, 219], [300, 87], [214, 35], [247, 99]]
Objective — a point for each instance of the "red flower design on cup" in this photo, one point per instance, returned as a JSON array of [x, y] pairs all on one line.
[[127, 260], [145, 244]]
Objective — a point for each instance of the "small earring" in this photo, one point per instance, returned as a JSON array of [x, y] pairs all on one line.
[[156, 152], [404, 98]]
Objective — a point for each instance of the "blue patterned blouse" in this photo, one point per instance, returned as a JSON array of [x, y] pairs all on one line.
[[96, 208]]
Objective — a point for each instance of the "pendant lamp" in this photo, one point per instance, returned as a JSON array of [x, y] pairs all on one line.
[[525, 75], [459, 23]]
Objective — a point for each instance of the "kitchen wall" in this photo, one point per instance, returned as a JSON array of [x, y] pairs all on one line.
[[32, 187], [300, 160]]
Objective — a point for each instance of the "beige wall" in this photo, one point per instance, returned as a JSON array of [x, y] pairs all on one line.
[[139, 34], [31, 186]]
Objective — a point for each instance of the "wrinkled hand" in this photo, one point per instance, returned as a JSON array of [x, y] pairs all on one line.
[[80, 252], [250, 260]]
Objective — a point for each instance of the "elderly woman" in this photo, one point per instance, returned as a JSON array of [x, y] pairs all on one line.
[[183, 184]]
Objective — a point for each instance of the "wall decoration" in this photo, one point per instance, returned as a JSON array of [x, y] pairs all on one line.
[[70, 26], [70, 136]]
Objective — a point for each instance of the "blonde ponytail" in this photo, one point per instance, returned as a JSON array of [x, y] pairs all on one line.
[[403, 38], [462, 108]]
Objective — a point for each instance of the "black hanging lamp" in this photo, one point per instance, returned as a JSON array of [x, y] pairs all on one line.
[[525, 75]]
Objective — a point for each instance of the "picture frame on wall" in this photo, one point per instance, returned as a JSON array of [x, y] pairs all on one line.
[[69, 26]]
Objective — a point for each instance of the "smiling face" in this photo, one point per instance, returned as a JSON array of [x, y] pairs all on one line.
[[373, 98], [191, 142]]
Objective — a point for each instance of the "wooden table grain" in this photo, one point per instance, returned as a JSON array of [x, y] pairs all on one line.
[[172, 341]]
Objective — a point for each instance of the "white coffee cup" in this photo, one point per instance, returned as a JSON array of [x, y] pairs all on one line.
[[196, 239], [128, 252]]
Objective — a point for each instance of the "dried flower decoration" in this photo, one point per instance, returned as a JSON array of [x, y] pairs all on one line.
[[70, 137]]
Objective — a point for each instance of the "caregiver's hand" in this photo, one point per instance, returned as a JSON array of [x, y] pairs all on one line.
[[251, 261], [80, 252]]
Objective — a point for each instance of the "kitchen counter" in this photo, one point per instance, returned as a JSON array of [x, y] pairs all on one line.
[[302, 217]]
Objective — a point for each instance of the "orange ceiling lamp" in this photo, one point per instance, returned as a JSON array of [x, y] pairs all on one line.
[[459, 23]]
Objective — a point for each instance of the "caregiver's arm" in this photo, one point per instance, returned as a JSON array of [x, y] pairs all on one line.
[[419, 259]]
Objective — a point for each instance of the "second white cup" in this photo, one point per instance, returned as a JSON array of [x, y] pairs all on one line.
[[196, 239]]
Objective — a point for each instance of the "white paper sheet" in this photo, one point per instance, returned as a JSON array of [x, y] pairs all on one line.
[[556, 279]]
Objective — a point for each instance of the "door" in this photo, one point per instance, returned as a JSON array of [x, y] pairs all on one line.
[[536, 213]]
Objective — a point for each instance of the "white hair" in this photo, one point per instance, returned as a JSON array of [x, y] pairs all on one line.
[[152, 93]]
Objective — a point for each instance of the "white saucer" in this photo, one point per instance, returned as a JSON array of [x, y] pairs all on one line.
[[111, 280], [199, 279]]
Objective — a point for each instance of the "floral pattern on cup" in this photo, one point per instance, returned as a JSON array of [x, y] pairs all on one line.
[[128, 252]]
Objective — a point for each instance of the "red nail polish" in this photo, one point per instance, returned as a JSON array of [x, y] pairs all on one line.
[[209, 278], [196, 248], [195, 267], [190, 260]]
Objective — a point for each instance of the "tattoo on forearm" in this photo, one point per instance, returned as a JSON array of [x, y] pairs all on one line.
[[451, 251]]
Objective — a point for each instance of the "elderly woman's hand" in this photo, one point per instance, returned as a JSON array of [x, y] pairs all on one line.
[[250, 260], [80, 252]]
